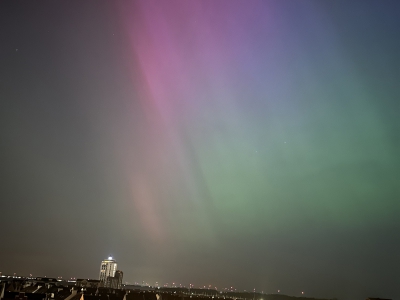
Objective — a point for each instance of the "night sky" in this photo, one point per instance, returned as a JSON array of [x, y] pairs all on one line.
[[252, 144]]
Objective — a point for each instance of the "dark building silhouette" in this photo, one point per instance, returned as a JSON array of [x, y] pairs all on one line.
[[115, 282]]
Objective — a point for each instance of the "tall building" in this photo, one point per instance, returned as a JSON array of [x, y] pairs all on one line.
[[107, 269]]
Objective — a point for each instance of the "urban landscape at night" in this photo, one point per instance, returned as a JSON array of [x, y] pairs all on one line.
[[215, 149], [110, 286]]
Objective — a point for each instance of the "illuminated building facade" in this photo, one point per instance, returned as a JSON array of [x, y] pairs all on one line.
[[107, 269]]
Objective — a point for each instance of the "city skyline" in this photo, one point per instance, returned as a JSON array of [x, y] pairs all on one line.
[[157, 285], [51, 288]]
